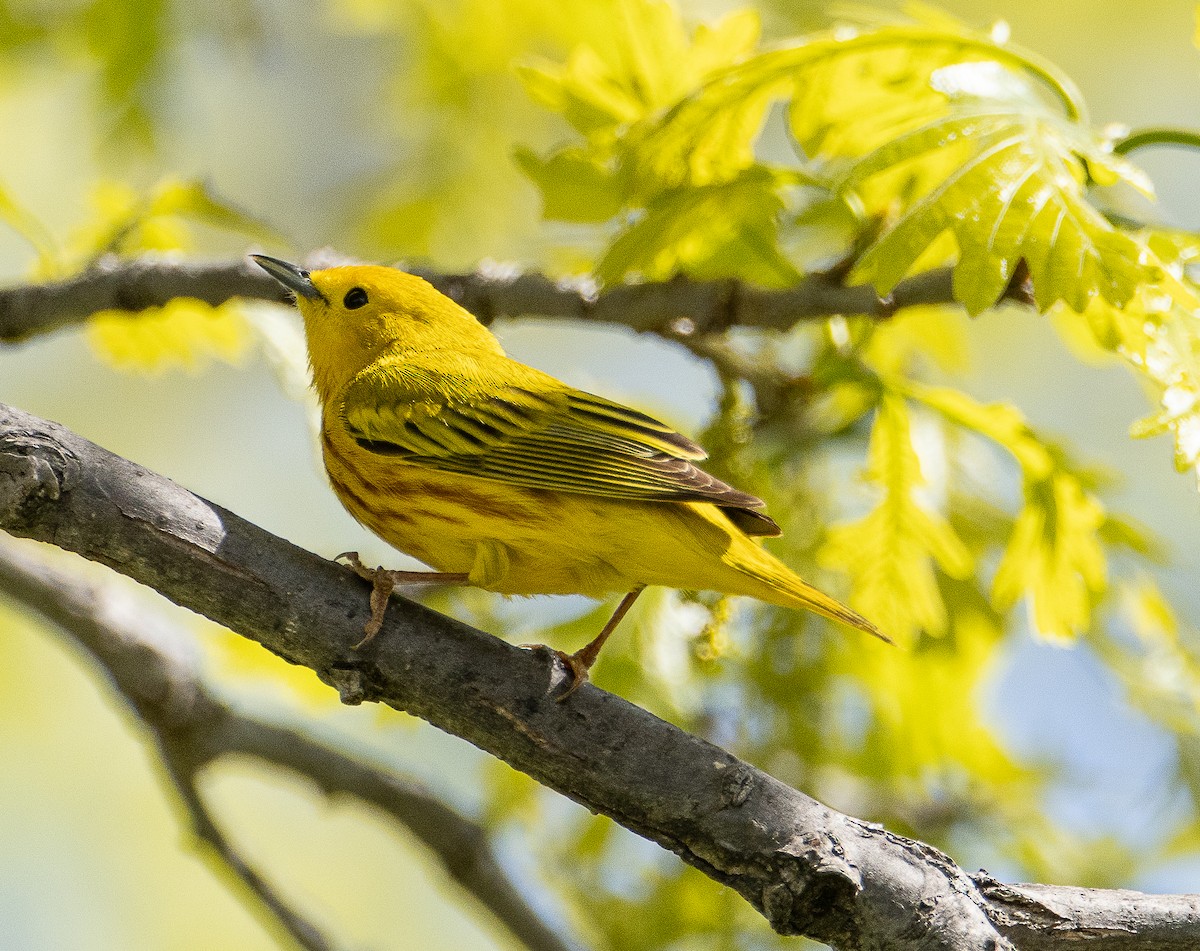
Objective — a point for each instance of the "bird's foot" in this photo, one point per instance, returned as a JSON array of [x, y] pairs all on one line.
[[384, 581], [577, 670], [580, 663]]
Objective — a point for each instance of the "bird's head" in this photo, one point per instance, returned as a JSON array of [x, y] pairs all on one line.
[[354, 315]]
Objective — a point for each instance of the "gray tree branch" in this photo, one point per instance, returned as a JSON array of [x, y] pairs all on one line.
[[693, 306], [192, 728], [808, 869]]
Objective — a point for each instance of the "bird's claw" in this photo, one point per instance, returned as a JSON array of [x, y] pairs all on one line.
[[354, 563], [579, 673], [382, 583], [576, 668], [370, 629]]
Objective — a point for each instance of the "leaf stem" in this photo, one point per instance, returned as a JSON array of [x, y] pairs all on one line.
[[790, 59], [1051, 76], [1161, 135]]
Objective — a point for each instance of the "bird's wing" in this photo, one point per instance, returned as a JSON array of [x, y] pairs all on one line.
[[520, 426]]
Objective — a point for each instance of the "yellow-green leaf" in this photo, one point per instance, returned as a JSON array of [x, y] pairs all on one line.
[[124, 221], [1055, 558], [1159, 335], [890, 554], [184, 333], [196, 201], [933, 332], [1000, 422], [850, 93], [872, 91], [713, 231], [925, 716], [574, 185], [1018, 195], [616, 98], [24, 223], [582, 92], [651, 66]]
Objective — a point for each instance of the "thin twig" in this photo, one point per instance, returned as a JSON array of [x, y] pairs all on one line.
[[303, 932], [459, 843], [193, 728]]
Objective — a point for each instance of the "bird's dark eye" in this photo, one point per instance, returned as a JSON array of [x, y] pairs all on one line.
[[355, 298]]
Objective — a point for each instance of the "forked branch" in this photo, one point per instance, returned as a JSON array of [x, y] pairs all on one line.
[[143, 660]]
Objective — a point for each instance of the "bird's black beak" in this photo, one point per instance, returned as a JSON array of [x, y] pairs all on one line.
[[290, 276]]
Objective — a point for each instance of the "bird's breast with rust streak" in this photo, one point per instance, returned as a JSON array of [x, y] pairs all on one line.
[[441, 518]]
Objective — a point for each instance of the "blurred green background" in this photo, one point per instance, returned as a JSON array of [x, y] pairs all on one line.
[[386, 131]]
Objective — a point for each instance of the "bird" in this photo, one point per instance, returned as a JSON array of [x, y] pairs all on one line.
[[500, 476]]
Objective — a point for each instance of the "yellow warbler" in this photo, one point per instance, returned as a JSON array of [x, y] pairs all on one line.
[[500, 476]]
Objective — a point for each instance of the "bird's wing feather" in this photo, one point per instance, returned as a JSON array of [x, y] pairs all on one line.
[[508, 422]]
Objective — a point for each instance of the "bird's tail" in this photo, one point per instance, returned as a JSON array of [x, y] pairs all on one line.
[[774, 582]]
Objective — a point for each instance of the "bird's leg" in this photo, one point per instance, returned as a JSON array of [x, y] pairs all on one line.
[[581, 661], [383, 581]]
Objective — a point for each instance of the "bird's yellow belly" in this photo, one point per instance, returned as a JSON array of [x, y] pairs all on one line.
[[513, 540]]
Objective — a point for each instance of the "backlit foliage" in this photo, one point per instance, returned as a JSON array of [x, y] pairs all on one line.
[[916, 145]]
